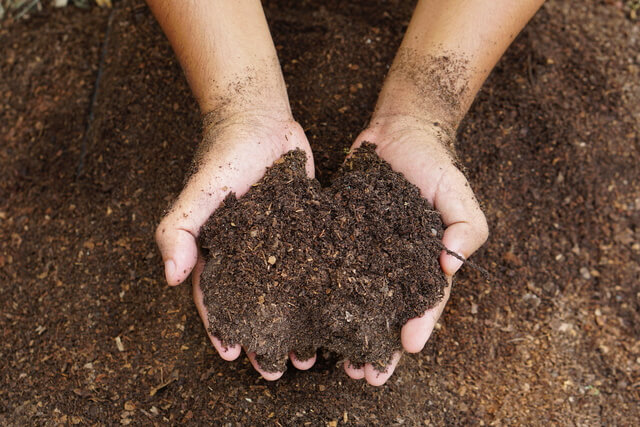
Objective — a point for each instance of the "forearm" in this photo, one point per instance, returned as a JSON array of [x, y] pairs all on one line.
[[226, 52], [447, 52]]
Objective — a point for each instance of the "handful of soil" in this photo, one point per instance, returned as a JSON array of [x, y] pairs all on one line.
[[293, 266]]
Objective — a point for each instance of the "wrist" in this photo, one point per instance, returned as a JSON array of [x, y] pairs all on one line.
[[400, 103], [263, 128], [394, 129], [387, 125], [247, 100], [431, 87], [258, 88], [256, 117]]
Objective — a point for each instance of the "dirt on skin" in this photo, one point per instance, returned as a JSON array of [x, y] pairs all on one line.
[[293, 266], [438, 85], [91, 334]]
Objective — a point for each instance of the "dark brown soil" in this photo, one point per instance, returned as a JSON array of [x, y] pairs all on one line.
[[293, 266], [551, 147]]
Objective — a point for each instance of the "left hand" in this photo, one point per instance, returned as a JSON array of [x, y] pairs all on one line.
[[421, 152]]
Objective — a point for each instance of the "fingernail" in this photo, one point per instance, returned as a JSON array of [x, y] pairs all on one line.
[[453, 263], [169, 269]]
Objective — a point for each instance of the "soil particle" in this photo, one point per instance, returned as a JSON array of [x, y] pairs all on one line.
[[293, 266]]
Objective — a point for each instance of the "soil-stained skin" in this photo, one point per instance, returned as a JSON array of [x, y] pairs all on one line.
[[432, 88], [440, 80], [293, 266]]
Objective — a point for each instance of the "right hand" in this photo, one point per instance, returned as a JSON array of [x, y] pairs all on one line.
[[233, 155]]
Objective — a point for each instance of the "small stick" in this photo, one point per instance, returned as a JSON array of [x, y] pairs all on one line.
[[471, 264]]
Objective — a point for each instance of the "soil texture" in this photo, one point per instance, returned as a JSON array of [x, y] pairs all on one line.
[[90, 334], [293, 266]]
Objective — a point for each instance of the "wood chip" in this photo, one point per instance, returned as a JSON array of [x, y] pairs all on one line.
[[119, 344]]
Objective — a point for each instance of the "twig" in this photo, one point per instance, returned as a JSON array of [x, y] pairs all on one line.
[[94, 95], [471, 264], [530, 71]]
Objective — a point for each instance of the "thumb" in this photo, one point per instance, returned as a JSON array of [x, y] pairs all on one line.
[[177, 232], [176, 235], [467, 228], [178, 248]]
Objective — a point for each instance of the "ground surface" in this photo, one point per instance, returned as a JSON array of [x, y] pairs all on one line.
[[89, 332]]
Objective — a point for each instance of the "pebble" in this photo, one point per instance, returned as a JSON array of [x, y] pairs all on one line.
[[584, 272]]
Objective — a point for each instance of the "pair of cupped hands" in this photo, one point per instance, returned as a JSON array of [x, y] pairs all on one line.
[[234, 154]]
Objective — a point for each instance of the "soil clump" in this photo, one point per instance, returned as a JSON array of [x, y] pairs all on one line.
[[294, 266]]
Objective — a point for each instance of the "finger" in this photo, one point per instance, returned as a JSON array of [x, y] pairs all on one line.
[[365, 135], [269, 376], [179, 252], [303, 365], [467, 227], [228, 353], [310, 166], [416, 332], [377, 378], [352, 371]]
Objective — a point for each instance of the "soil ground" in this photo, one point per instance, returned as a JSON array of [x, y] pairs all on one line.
[[90, 334]]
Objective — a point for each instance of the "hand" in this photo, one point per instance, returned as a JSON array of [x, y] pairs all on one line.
[[233, 155], [421, 152]]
